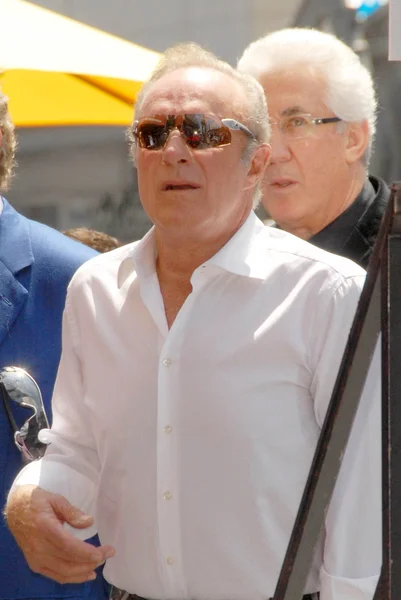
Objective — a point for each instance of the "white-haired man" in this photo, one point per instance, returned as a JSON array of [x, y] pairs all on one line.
[[322, 106], [196, 372]]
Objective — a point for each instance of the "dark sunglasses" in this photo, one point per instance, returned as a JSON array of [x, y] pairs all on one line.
[[198, 130], [17, 386]]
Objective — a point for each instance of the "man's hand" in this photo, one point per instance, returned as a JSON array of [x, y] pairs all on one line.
[[35, 518]]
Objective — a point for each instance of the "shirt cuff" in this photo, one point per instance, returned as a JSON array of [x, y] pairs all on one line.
[[61, 479], [343, 588]]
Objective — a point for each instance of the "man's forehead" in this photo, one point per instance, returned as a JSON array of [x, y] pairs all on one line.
[[295, 91], [191, 77], [195, 86], [298, 74]]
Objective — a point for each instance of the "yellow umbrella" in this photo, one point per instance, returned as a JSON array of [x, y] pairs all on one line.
[[57, 71]]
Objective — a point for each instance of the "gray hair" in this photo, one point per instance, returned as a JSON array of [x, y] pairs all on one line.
[[7, 150], [350, 89], [190, 54]]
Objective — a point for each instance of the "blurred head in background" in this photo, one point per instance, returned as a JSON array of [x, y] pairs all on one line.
[[102, 242], [7, 144], [322, 108]]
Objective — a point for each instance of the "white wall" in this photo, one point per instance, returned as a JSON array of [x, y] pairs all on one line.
[[394, 30], [225, 26]]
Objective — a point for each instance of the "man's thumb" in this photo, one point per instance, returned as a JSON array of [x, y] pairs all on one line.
[[67, 513]]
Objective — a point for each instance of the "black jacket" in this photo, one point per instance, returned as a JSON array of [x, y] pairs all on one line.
[[353, 233]]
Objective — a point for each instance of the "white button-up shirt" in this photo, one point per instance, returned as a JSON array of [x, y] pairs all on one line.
[[192, 446]]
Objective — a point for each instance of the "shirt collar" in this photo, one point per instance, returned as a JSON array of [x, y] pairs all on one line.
[[241, 255], [141, 257]]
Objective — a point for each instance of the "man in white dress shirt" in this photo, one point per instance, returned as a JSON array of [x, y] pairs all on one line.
[[196, 371]]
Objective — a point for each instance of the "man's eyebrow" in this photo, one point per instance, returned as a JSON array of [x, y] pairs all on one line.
[[293, 110]]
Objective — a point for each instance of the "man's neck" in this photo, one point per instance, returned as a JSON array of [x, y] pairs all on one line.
[[179, 256], [178, 262], [175, 265]]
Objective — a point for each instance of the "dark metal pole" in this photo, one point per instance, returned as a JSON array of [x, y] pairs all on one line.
[[390, 581]]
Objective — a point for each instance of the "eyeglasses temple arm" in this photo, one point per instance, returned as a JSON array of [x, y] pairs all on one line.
[[236, 126]]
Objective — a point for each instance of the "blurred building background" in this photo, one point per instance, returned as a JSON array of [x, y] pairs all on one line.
[[69, 177]]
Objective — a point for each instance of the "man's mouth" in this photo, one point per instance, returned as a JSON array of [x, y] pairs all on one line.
[[282, 183], [179, 186]]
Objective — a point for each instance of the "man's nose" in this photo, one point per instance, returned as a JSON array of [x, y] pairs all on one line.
[[280, 149], [175, 149]]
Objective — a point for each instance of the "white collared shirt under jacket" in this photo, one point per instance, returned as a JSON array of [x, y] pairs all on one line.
[[192, 446]]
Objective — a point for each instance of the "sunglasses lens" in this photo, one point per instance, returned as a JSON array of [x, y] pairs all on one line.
[[151, 134], [202, 131], [20, 387], [17, 386]]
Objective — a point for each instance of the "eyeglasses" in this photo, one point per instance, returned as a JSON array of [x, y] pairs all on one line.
[[16, 385], [199, 131], [300, 126]]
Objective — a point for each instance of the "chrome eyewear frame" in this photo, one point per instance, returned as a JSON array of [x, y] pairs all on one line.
[[17, 386]]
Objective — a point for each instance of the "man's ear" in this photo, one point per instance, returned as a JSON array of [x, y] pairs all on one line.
[[357, 141], [257, 165]]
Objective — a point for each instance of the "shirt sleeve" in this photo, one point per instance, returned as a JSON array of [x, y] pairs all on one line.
[[353, 542], [71, 465]]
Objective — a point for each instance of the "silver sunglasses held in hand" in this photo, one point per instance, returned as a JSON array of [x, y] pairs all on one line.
[[18, 387]]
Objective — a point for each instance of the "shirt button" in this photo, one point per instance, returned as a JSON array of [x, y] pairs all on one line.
[[167, 429], [166, 362], [167, 495], [170, 560]]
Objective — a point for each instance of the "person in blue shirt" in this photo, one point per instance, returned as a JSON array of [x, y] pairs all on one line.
[[36, 265]]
